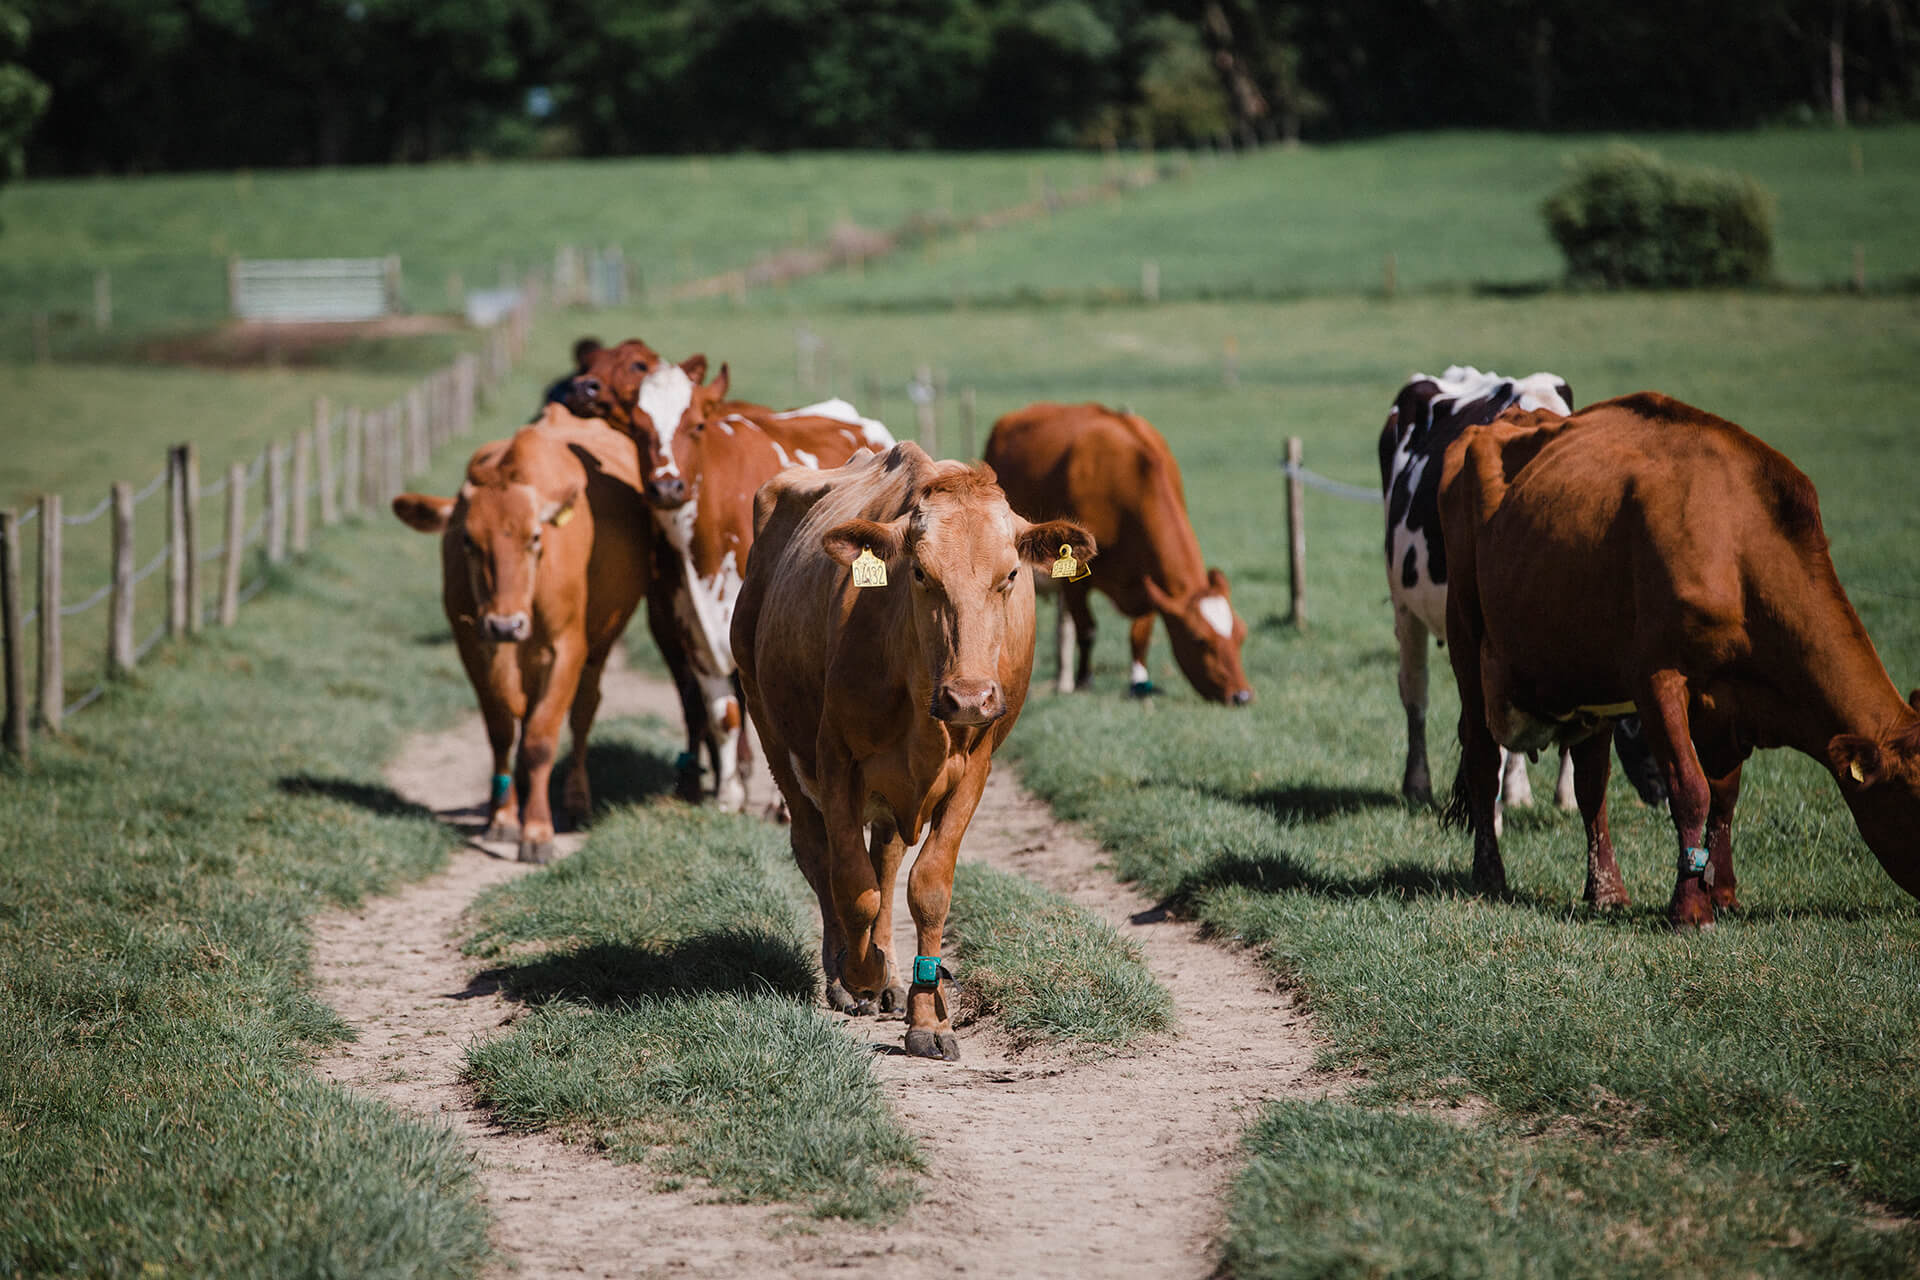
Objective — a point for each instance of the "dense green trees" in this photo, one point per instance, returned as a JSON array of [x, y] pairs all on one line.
[[149, 84]]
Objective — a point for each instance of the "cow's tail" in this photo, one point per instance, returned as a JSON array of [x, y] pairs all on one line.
[[1458, 814]]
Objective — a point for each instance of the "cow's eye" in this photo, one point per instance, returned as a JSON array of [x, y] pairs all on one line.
[[1012, 574], [919, 574]]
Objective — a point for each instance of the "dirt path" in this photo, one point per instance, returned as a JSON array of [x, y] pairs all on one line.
[[1038, 1166]]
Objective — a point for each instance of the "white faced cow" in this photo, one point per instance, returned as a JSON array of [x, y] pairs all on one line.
[[1427, 416]]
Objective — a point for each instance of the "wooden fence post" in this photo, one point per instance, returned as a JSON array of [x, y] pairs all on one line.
[[236, 549], [419, 451], [323, 458], [302, 453], [176, 544], [1296, 534], [102, 301], [190, 531], [120, 653], [11, 637], [966, 422], [42, 339], [276, 505], [1390, 274], [373, 460], [1150, 280], [350, 464], [396, 454], [53, 681]]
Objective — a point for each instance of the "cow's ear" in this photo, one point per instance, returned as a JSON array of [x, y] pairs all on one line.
[[1857, 762], [695, 367], [721, 381], [423, 511], [845, 542], [1913, 699], [1217, 583], [585, 349], [1039, 544], [557, 511]]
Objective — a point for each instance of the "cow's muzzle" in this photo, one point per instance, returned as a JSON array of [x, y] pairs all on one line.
[[666, 491], [969, 702], [505, 628]]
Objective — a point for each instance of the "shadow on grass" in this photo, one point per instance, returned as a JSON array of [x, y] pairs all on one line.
[[1294, 806], [1282, 873], [382, 800], [723, 962]]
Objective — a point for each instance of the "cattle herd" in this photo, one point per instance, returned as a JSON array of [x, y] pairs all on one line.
[[1639, 575]]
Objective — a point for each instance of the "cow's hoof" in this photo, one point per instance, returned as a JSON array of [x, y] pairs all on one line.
[[1724, 900], [1490, 883], [894, 999], [943, 1045], [839, 999], [1608, 897], [1420, 793], [502, 832], [540, 851], [1690, 914]]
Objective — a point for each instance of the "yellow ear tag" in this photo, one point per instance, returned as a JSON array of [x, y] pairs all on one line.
[[1069, 568], [1858, 774], [869, 570], [561, 516]]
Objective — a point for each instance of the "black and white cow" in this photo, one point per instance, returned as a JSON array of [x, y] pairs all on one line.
[[1426, 417]]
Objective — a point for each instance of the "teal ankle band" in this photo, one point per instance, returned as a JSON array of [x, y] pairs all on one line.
[[1696, 861], [502, 787], [926, 969]]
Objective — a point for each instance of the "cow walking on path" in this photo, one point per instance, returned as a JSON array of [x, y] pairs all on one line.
[[1645, 554], [545, 554], [1113, 473], [880, 706], [1427, 416], [702, 456]]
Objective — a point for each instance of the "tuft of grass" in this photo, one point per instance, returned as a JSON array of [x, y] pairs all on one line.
[[158, 862], [1333, 1189], [673, 988], [1048, 970]]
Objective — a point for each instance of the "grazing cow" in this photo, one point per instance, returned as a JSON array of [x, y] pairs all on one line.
[[1113, 474], [1645, 554], [881, 706], [544, 556], [702, 456], [1428, 415]]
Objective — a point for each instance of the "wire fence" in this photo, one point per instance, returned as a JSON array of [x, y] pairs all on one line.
[[351, 462]]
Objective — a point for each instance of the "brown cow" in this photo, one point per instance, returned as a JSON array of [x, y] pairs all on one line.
[[882, 706], [1113, 473], [1643, 553], [544, 556], [702, 456]]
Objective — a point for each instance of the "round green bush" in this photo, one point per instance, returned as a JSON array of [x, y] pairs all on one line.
[[1628, 218]]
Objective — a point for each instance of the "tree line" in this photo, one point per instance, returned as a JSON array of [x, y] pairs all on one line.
[[144, 85]]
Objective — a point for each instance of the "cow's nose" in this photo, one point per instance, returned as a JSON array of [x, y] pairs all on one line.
[[969, 702], [1241, 697], [586, 388], [506, 626], [667, 491]]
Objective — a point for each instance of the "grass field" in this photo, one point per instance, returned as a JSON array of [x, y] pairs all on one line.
[[1735, 1103]]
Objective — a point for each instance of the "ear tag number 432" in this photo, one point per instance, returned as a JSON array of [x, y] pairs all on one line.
[[869, 570], [1069, 568]]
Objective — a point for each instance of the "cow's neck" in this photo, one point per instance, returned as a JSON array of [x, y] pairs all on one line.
[[710, 579], [1173, 556], [1833, 680]]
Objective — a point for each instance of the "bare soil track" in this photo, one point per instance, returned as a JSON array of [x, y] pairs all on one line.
[[1038, 1165]]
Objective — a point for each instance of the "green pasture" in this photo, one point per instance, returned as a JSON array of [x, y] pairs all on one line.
[[166, 240], [1458, 211]]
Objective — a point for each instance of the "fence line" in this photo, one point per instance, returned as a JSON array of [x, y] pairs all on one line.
[[380, 450]]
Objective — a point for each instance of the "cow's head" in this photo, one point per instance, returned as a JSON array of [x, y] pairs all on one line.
[[1206, 634], [669, 419], [1880, 778], [607, 381], [497, 527], [967, 562]]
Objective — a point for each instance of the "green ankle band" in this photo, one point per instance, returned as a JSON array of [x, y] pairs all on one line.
[[926, 969]]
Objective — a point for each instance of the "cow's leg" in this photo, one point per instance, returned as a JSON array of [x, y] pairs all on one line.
[[724, 720], [1139, 637], [539, 743], [929, 895], [1065, 637], [1663, 715], [494, 671], [1592, 761], [1516, 789], [1079, 602], [854, 886], [578, 794], [1477, 786], [1723, 793], [664, 625], [1565, 794], [808, 835], [1416, 784], [886, 848]]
